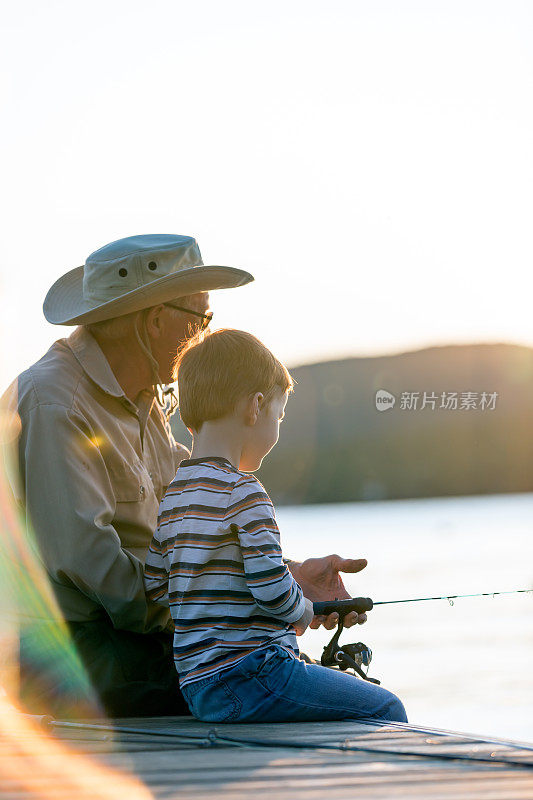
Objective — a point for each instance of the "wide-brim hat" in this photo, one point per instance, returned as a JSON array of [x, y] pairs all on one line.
[[132, 274]]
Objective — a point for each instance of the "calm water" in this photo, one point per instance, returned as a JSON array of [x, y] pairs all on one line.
[[468, 667]]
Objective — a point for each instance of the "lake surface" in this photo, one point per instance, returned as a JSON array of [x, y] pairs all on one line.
[[468, 666]]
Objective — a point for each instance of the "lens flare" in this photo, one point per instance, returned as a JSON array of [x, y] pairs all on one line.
[[32, 761], [27, 604]]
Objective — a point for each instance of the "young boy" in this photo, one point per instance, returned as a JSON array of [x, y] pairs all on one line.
[[216, 559]]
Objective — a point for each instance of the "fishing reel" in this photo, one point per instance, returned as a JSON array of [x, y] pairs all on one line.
[[346, 656]]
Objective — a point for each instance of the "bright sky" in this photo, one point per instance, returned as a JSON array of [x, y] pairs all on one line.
[[369, 162]]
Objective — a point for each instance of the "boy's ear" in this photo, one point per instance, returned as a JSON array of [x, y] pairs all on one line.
[[253, 407]]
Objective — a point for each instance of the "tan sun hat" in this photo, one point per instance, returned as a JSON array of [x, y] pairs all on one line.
[[132, 274]]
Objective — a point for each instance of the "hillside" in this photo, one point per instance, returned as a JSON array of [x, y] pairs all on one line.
[[336, 446]]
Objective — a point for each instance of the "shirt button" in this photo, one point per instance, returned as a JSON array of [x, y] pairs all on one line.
[[141, 490]]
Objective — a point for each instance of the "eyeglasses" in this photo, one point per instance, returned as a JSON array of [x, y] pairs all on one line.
[[206, 318]]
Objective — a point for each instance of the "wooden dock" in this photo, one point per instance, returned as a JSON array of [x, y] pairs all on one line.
[[366, 760]]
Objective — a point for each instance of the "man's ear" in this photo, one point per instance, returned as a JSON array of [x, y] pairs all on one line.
[[253, 406], [154, 321]]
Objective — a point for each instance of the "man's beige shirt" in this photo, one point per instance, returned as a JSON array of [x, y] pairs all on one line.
[[94, 467]]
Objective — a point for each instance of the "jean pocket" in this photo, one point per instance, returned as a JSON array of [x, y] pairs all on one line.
[[192, 689], [233, 703], [212, 700]]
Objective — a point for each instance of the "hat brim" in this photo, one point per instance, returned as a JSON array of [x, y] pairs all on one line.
[[64, 304]]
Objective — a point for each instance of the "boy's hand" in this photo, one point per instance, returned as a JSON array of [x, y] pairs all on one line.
[[320, 580]]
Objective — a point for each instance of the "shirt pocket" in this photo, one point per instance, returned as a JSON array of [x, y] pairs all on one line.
[[130, 483]]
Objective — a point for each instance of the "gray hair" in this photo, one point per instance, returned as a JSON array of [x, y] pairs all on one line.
[[119, 327], [134, 325], [113, 329]]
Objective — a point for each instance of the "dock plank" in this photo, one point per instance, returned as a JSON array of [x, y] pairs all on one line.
[[174, 768]]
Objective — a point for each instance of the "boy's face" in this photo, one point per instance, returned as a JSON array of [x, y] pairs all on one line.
[[264, 433]]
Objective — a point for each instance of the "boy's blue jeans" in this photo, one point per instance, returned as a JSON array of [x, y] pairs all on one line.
[[272, 685]]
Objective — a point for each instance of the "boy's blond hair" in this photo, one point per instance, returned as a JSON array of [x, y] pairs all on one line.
[[215, 370]]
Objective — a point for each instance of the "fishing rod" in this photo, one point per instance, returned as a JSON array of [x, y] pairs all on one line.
[[357, 655], [362, 604]]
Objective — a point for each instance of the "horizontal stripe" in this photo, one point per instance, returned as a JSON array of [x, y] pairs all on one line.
[[211, 594], [229, 592], [221, 646]]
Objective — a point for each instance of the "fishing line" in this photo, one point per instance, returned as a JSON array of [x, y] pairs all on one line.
[[471, 738], [213, 737], [451, 597]]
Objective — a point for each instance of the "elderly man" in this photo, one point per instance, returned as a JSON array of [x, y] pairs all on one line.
[[95, 456]]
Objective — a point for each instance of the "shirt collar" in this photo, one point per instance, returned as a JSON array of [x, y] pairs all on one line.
[[192, 462], [93, 361]]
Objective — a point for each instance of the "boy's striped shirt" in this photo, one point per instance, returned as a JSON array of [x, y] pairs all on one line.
[[216, 559]]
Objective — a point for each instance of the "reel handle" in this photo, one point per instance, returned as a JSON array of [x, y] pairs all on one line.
[[343, 607]]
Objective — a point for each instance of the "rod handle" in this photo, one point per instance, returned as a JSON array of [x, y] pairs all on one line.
[[343, 607]]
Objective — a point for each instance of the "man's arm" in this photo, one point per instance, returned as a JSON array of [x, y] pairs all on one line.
[[70, 506], [156, 581]]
